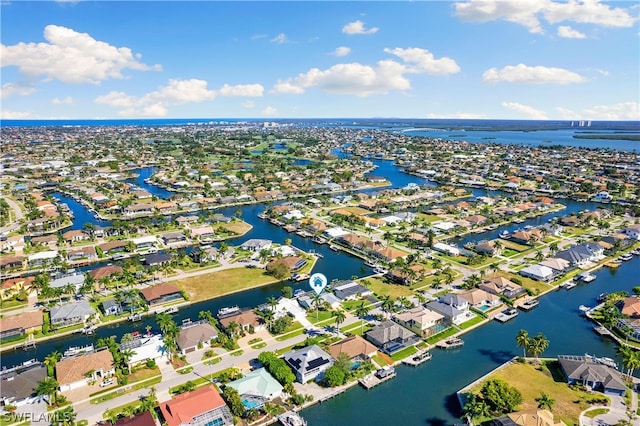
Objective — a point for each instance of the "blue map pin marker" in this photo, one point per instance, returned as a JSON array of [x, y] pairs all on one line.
[[318, 282]]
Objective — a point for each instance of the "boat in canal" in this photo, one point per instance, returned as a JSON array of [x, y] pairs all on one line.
[[451, 343], [507, 314], [291, 418], [228, 311], [529, 304], [626, 257], [586, 277], [570, 284]]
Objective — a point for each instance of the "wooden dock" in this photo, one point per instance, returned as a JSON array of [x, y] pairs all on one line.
[[602, 331], [418, 358], [373, 380], [451, 343]]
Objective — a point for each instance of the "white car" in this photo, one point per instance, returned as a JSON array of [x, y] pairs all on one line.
[[106, 383]]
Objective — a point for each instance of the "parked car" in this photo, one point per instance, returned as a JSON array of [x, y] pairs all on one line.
[[107, 382]]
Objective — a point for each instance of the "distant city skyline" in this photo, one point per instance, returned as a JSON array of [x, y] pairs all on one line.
[[489, 59]]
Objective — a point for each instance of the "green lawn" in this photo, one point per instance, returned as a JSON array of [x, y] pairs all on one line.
[[215, 284], [382, 287], [294, 329], [473, 321], [400, 355], [319, 316], [442, 335]]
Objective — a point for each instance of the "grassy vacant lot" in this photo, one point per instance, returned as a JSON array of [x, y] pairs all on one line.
[[382, 288], [536, 286], [531, 383], [428, 217], [218, 283], [237, 226], [358, 211]]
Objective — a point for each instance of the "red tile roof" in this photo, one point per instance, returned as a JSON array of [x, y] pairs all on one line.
[[182, 408]]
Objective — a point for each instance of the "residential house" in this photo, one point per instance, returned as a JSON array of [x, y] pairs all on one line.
[[105, 272], [502, 286], [70, 313], [161, 293], [75, 236], [111, 247], [293, 263], [558, 265], [201, 407], [42, 258], [389, 254], [412, 274], [487, 247], [391, 337], [480, 299], [139, 209], [73, 373], [630, 307], [538, 272], [83, 254], [11, 263], [17, 385], [157, 259], [526, 237], [587, 371], [533, 417], [632, 232], [195, 335], [246, 319], [257, 388], [144, 347], [203, 233], [111, 307], [75, 280], [256, 245], [355, 347], [350, 290], [11, 287], [143, 419], [308, 363], [20, 324], [145, 243], [423, 322], [582, 255], [453, 308], [175, 238]]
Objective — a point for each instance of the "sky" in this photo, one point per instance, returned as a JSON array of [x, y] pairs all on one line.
[[493, 59]]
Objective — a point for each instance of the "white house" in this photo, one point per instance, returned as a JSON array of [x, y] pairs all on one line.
[[308, 363]]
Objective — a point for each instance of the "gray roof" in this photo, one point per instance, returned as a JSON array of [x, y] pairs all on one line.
[[388, 331], [442, 308], [453, 299], [307, 359], [587, 369], [78, 309], [20, 383], [349, 289], [192, 335], [75, 280]]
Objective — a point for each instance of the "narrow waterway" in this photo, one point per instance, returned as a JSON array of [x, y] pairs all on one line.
[[417, 395], [426, 394]]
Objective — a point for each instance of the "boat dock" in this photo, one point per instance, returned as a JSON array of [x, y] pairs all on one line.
[[529, 304], [418, 358], [452, 343], [602, 331], [506, 315], [374, 379]]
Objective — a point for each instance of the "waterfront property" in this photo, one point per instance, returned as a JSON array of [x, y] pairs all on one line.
[[161, 293], [256, 388], [70, 313], [424, 322], [308, 363], [355, 347], [21, 324], [144, 347], [390, 337], [203, 406], [17, 385], [75, 372], [588, 371], [195, 335], [534, 417]]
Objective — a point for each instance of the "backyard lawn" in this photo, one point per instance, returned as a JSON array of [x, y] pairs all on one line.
[[382, 288], [531, 382], [218, 283]]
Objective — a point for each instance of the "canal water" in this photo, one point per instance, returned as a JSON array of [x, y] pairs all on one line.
[[417, 395]]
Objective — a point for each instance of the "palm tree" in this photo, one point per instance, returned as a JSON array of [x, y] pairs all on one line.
[[268, 317], [51, 360], [232, 328], [49, 387], [522, 339], [127, 354], [538, 345], [475, 407], [362, 311], [387, 304], [317, 300], [339, 316], [630, 358], [272, 302], [545, 401]]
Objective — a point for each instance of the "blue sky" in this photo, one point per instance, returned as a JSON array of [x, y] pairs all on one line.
[[511, 59]]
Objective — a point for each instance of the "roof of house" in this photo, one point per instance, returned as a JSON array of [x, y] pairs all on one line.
[[257, 383], [243, 318], [77, 309], [419, 316], [71, 370], [477, 295], [388, 331], [183, 408], [158, 291], [586, 368], [534, 417], [352, 346], [192, 335], [631, 306], [105, 271], [25, 320], [442, 308], [20, 383], [307, 359], [143, 419], [156, 258]]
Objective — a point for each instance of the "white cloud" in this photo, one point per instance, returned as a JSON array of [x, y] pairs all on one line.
[[71, 57], [566, 31], [353, 78], [528, 12], [342, 51], [13, 115], [280, 39], [20, 89], [269, 111], [249, 104], [253, 90], [357, 27], [525, 110], [65, 101], [620, 111], [422, 61], [522, 73], [176, 92]]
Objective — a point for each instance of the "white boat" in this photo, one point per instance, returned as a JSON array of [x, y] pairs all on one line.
[[76, 350], [529, 304], [626, 257], [334, 248], [507, 314], [291, 418], [171, 310], [610, 362], [586, 277], [135, 317], [570, 284], [584, 308], [222, 312], [504, 234]]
